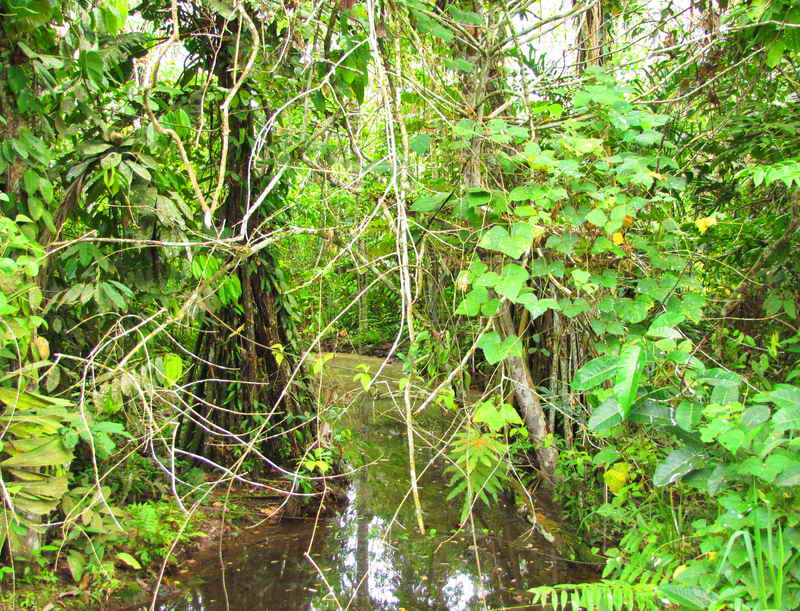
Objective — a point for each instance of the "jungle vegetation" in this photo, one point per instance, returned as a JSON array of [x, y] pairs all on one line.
[[583, 210]]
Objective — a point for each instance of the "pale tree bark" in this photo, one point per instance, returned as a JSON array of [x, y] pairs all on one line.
[[517, 368], [528, 401]]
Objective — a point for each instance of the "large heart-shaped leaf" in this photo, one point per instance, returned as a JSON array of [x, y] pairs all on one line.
[[472, 302], [512, 280], [784, 395], [496, 349], [536, 306], [496, 417], [513, 244], [429, 203]]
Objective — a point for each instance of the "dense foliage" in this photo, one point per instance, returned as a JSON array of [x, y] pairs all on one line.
[[584, 212]]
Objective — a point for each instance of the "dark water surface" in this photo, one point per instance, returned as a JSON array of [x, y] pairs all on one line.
[[357, 562]]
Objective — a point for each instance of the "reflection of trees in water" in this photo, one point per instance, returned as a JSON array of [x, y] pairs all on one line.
[[362, 600], [404, 570]]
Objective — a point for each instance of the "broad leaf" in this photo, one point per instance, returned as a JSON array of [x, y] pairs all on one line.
[[429, 203], [787, 418], [512, 280], [472, 302], [605, 416], [496, 417], [39, 453], [595, 372], [687, 597], [496, 349], [514, 244], [627, 376], [129, 560], [784, 395], [677, 464]]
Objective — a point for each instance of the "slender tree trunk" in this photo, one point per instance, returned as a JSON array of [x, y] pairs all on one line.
[[527, 399]]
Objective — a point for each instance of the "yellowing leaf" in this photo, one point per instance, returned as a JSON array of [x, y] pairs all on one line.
[[42, 347], [616, 476], [704, 223], [617, 238]]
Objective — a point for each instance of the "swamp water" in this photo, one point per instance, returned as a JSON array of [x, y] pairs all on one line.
[[355, 561]]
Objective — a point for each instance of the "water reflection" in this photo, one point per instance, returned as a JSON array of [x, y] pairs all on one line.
[[360, 563]]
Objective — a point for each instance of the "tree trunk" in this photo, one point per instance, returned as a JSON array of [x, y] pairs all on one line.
[[527, 399], [242, 378]]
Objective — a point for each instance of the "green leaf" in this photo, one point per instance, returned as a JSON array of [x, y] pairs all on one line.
[[580, 276], [31, 181], [677, 464], [523, 194], [512, 280], [35, 208], [113, 295], [597, 217], [477, 197], [460, 65], [429, 203], [688, 414], [514, 244], [789, 478], [563, 244], [786, 418], [139, 169], [784, 395], [46, 189], [650, 413], [687, 597], [421, 144], [595, 372], [129, 560], [90, 149], [92, 67], [724, 385], [37, 452], [664, 325], [464, 16], [775, 52], [628, 375], [76, 562], [572, 308], [496, 417], [632, 311], [496, 349], [49, 487], [607, 455], [472, 302], [465, 128], [173, 368], [536, 306], [605, 416], [753, 416]]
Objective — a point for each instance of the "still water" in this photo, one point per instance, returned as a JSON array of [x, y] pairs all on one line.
[[370, 554]]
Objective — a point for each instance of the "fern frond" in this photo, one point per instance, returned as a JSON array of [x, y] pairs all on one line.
[[609, 595]]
